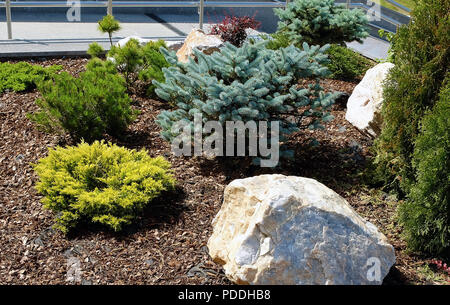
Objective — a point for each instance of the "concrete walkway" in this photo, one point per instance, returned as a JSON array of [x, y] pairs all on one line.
[[373, 48], [52, 35]]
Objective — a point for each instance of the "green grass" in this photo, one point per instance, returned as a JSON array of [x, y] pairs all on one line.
[[408, 3]]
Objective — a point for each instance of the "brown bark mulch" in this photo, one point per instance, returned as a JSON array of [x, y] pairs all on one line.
[[168, 245]]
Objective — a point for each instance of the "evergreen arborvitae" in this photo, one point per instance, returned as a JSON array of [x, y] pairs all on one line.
[[425, 216], [321, 22], [421, 57], [250, 83]]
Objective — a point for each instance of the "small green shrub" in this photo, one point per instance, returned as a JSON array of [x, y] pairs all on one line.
[[346, 64], [426, 214], [108, 25], [277, 41], [100, 183], [140, 62], [23, 76], [422, 58], [95, 50], [86, 107], [154, 62], [320, 22], [127, 59]]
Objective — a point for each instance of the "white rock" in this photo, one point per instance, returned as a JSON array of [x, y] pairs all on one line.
[[276, 229], [199, 40], [141, 41], [174, 45], [364, 105]]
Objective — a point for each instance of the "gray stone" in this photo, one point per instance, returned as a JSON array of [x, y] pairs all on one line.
[[276, 229]]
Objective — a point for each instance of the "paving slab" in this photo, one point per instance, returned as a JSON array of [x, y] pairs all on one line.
[[373, 48], [50, 34]]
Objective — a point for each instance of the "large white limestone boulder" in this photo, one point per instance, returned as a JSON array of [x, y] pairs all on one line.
[[276, 229], [364, 105], [197, 39]]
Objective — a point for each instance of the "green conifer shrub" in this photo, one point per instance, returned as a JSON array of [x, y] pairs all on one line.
[[346, 64], [127, 59], [277, 41], [421, 58], [100, 183], [250, 83], [95, 50], [425, 216], [23, 76], [321, 22], [109, 25], [140, 62], [86, 107], [154, 62]]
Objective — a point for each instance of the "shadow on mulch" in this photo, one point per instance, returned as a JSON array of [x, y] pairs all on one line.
[[395, 277], [161, 212], [135, 139], [328, 163]]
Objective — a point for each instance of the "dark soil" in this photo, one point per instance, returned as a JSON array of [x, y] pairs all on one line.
[[168, 244]]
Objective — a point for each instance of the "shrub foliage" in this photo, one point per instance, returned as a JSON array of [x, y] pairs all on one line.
[[95, 50], [321, 22], [101, 183], [422, 54], [86, 107], [232, 29], [346, 64], [23, 76], [140, 62], [109, 25], [412, 152], [426, 213], [250, 83]]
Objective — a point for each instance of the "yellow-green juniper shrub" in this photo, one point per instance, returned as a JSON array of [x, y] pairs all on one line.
[[100, 183]]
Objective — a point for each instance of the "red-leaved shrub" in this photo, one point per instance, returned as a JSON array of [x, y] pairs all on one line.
[[232, 29]]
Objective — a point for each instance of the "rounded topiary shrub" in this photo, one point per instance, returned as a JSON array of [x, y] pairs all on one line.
[[101, 183]]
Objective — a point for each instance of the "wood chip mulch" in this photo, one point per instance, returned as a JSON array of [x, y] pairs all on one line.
[[168, 245]]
